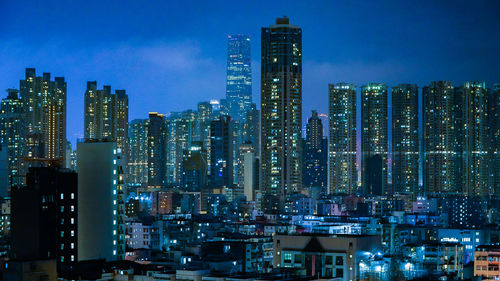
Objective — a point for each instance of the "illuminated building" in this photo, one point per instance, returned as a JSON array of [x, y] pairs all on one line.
[[12, 136], [374, 138], [181, 131], [45, 217], [440, 139], [281, 109], [157, 131], [495, 128], [44, 103], [343, 170], [239, 77], [106, 115], [314, 173], [405, 145], [474, 137], [221, 152], [486, 262], [138, 152], [99, 229]]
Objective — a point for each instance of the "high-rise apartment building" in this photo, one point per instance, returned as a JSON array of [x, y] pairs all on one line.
[[315, 155], [106, 115], [181, 132], [44, 103], [157, 132], [474, 137], [343, 167], [374, 139], [99, 228], [495, 137], [441, 132], [239, 77], [405, 144], [281, 109], [221, 152], [138, 152], [12, 136]]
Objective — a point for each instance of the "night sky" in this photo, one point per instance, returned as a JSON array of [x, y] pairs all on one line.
[[169, 55]]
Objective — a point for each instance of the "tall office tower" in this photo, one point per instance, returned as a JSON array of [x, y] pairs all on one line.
[[239, 77], [374, 138], [138, 152], [343, 168], [194, 168], [440, 139], [45, 218], [98, 180], [315, 155], [281, 106], [474, 137], [495, 127], [157, 159], [405, 145], [12, 136], [221, 152], [44, 103], [106, 115]]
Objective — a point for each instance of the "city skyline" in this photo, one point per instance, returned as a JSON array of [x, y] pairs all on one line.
[[347, 140], [162, 56]]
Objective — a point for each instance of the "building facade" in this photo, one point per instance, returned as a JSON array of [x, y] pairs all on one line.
[[281, 109], [106, 115], [441, 131], [315, 164], [138, 152], [13, 136], [475, 138], [157, 132], [44, 103], [405, 144], [374, 139], [342, 163]]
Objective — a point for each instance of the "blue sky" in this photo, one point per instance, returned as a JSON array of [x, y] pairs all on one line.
[[169, 55]]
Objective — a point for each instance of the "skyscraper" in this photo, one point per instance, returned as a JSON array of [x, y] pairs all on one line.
[[138, 152], [374, 138], [315, 155], [12, 136], [475, 138], [343, 168], [157, 160], [106, 115], [281, 109], [405, 145], [239, 77], [495, 127], [44, 103], [221, 152], [440, 138], [98, 186]]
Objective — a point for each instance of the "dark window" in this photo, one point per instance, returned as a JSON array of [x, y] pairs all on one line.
[[329, 260], [339, 260], [339, 272]]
